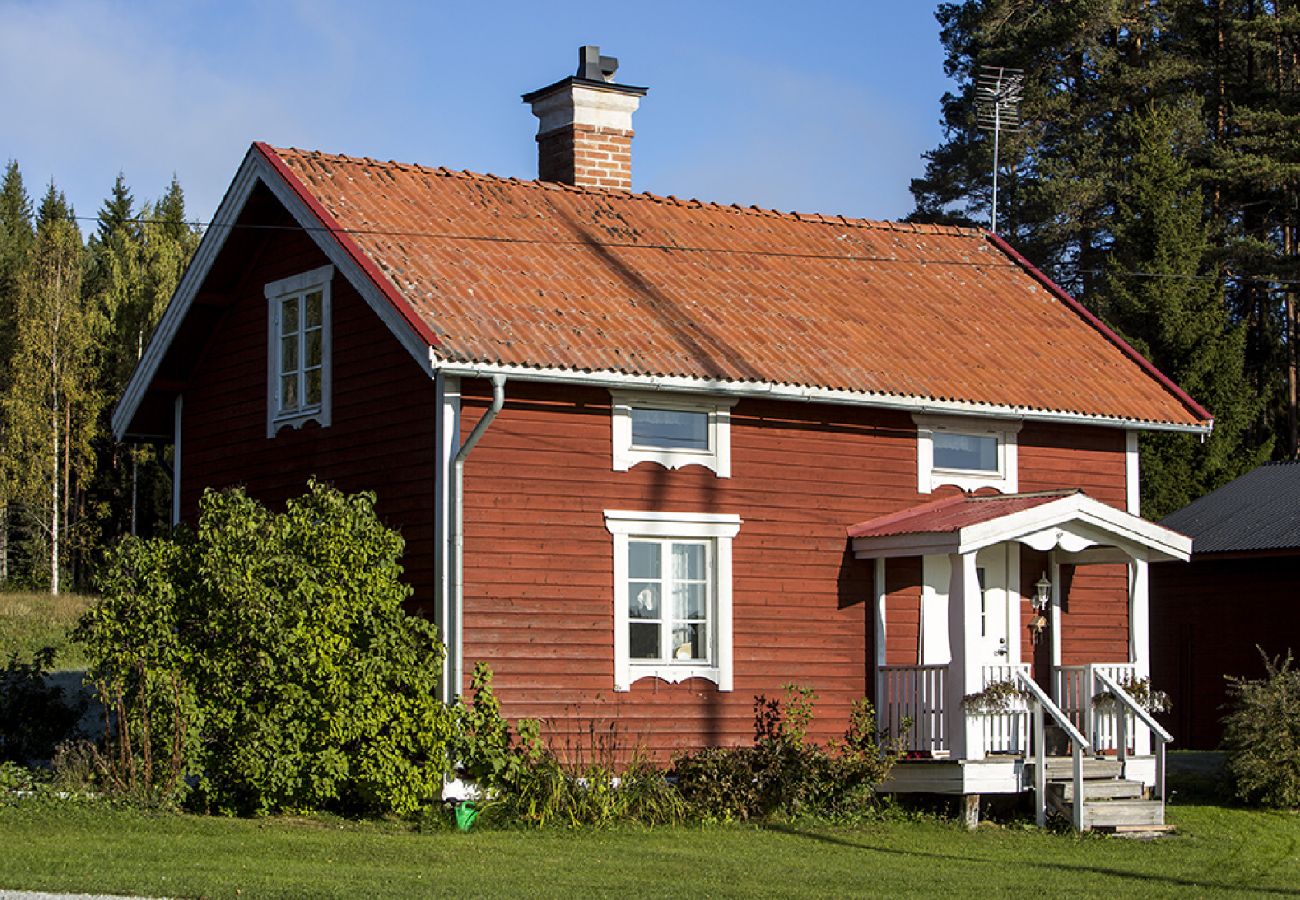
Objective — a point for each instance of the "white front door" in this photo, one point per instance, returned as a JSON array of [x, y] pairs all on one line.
[[998, 611], [993, 644]]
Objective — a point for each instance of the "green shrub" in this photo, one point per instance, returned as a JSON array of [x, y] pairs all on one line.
[[526, 783], [35, 716], [783, 775], [1262, 735], [268, 655]]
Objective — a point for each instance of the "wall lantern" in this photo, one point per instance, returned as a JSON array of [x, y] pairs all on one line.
[[1042, 593]]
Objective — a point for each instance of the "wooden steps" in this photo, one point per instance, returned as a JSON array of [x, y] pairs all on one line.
[[1110, 802]]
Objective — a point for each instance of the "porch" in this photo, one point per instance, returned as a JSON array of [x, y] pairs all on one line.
[[987, 700]]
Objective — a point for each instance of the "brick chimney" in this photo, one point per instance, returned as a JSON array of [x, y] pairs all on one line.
[[584, 131]]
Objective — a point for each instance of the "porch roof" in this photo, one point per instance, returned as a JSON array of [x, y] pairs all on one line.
[[1065, 520]]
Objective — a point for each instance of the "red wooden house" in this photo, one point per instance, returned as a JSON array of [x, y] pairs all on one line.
[[652, 457]]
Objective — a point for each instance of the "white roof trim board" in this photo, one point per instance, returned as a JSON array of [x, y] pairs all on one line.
[[1072, 524]]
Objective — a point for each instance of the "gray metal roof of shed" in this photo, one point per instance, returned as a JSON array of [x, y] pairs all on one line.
[[1258, 511]]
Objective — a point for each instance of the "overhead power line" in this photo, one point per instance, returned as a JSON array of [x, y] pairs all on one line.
[[630, 245]]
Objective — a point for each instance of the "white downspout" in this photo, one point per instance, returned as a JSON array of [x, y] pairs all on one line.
[[455, 646]]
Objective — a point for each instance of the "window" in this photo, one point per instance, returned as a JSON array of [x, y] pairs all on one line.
[[298, 351], [967, 452], [673, 431], [672, 596]]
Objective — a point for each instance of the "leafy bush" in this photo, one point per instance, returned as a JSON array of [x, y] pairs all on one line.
[[268, 655], [526, 783], [34, 715], [781, 774], [1262, 735]]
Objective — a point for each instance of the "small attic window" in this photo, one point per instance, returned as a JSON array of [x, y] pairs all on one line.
[[298, 350], [670, 429], [969, 453], [673, 431]]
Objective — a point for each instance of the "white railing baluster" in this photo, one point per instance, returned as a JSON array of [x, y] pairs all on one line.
[[916, 693], [1043, 704]]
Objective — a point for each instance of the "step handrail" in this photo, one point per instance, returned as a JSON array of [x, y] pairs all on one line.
[[1144, 716], [1078, 745]]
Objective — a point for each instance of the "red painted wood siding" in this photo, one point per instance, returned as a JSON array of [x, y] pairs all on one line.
[[1094, 602], [539, 582], [382, 436], [1208, 619]]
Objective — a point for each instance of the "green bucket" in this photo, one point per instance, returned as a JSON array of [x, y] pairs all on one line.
[[466, 813]]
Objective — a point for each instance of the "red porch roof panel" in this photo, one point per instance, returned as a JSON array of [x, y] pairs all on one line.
[[534, 274], [953, 513]]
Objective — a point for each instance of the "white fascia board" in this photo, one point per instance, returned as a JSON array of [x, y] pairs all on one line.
[[892, 546], [774, 391], [195, 274], [1121, 526], [255, 168]]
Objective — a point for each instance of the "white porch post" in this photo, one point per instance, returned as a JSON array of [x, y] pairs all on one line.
[[965, 737], [1054, 624], [1139, 639], [881, 657]]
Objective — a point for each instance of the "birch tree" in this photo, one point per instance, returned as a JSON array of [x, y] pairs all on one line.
[[50, 401]]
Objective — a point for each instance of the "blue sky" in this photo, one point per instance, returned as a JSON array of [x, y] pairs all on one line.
[[817, 106]]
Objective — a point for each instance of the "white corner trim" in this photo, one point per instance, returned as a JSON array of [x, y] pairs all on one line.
[[626, 454], [1132, 474], [321, 279], [929, 477], [178, 410], [718, 527]]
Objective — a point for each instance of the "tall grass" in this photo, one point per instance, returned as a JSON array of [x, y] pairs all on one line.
[[30, 621]]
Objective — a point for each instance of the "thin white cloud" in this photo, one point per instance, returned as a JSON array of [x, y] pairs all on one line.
[[104, 89]]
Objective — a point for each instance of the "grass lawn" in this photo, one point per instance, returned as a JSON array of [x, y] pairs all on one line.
[[75, 847], [29, 622]]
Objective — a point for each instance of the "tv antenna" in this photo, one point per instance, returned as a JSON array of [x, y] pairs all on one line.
[[998, 91]]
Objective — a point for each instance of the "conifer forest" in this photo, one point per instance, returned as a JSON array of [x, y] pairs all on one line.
[[1155, 174]]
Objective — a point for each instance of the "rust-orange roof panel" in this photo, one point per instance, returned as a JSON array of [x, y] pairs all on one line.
[[952, 513], [502, 271]]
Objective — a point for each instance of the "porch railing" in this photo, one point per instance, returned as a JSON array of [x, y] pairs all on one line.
[[915, 694], [1075, 688], [1043, 708], [1131, 707], [1007, 731]]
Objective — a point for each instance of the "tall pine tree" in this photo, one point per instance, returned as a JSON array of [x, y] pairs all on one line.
[[16, 238], [1163, 297]]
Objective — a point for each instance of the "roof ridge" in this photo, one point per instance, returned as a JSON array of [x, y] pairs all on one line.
[[648, 197]]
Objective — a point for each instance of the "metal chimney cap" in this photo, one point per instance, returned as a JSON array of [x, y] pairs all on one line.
[[594, 67]]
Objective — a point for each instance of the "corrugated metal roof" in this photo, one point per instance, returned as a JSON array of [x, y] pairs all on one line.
[[1258, 511], [535, 274], [953, 513]]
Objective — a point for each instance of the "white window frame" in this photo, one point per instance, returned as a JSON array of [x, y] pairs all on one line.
[[718, 455], [718, 529], [276, 292], [929, 477]]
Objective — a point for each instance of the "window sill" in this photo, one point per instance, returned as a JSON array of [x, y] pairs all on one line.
[[297, 420], [673, 674]]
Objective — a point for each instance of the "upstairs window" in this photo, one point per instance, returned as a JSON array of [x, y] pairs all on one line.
[[958, 452], [968, 453], [673, 431], [298, 351]]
